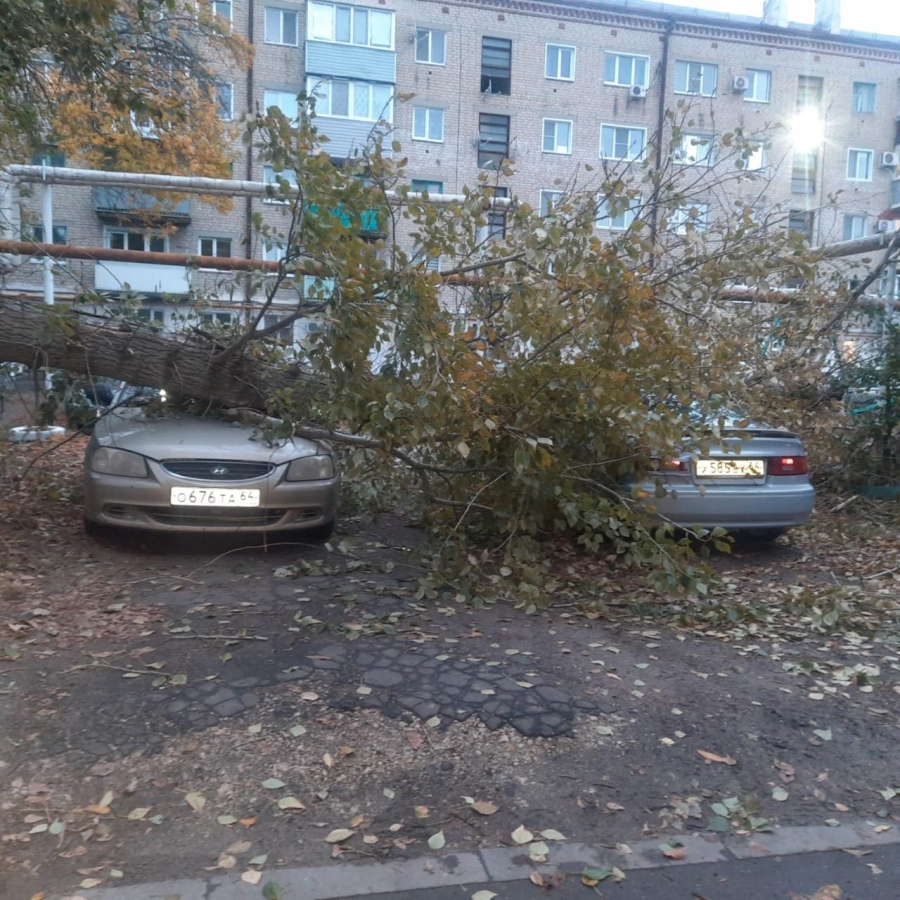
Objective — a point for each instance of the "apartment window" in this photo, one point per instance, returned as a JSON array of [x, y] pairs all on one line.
[[125, 239], [286, 101], [493, 139], [156, 318], [217, 318], [496, 63], [756, 158], [687, 218], [804, 172], [618, 142], [431, 46], [276, 180], [854, 227], [60, 234], [350, 25], [859, 164], [863, 97], [421, 186], [428, 124], [144, 125], [225, 91], [695, 78], [559, 62], [801, 222], [273, 253], [221, 8], [695, 150], [809, 91], [618, 215], [49, 158], [549, 201], [431, 263], [557, 136], [759, 86], [212, 246], [353, 99], [626, 70], [496, 218], [281, 27], [283, 335], [316, 288]]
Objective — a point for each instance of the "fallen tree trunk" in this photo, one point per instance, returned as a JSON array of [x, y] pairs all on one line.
[[38, 335]]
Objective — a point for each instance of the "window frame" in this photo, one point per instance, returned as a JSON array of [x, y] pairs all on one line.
[[762, 148], [555, 122], [148, 240], [315, 83], [505, 81], [855, 104], [428, 111], [58, 230], [558, 47], [698, 137], [430, 32], [229, 110], [632, 57], [420, 186], [281, 14], [490, 156], [809, 215], [634, 206], [270, 176], [751, 76], [354, 11], [629, 128], [861, 153], [213, 8], [215, 247], [291, 95], [545, 208], [849, 219], [688, 63], [700, 222]]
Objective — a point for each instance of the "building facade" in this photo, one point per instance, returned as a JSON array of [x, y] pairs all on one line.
[[553, 87]]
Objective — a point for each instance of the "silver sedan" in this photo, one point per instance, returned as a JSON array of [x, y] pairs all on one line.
[[178, 472], [754, 479]]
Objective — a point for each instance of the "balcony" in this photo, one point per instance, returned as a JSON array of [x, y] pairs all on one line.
[[128, 205], [371, 221], [147, 279]]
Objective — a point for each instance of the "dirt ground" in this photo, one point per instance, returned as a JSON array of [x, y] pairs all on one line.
[[169, 707]]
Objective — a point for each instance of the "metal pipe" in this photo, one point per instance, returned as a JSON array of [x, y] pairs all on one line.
[[192, 184]]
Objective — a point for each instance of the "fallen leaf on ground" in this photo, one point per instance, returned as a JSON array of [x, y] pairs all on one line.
[[251, 876], [414, 739], [339, 834], [195, 800], [714, 757], [536, 878], [483, 895], [551, 834], [522, 835], [484, 807], [437, 841], [672, 852], [272, 783], [290, 803]]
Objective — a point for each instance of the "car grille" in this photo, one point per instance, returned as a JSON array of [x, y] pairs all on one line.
[[216, 469], [216, 518]]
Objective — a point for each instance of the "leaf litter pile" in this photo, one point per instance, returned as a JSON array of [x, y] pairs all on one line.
[[775, 701]]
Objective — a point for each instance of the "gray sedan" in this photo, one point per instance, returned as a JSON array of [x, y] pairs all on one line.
[[754, 479], [178, 472]]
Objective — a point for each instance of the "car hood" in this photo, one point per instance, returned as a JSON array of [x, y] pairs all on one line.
[[182, 436]]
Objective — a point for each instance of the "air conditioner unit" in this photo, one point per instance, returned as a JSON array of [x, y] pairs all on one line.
[[740, 84], [883, 225], [890, 159], [637, 92]]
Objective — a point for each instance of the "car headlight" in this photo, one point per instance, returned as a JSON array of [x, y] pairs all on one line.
[[311, 468], [109, 461]]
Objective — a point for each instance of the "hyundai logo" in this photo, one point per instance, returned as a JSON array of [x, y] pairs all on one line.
[[219, 470]]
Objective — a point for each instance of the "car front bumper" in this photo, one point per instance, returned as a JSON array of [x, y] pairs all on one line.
[[144, 503]]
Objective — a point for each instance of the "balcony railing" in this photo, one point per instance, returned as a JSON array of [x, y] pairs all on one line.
[[128, 205], [141, 278]]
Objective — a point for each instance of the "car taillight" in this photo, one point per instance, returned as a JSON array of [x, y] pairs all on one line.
[[674, 465], [789, 465]]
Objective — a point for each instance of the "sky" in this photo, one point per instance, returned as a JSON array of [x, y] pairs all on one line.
[[873, 16]]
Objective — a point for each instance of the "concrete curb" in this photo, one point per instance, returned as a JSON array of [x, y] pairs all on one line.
[[498, 865]]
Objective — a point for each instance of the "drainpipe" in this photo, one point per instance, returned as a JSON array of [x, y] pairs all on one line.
[[248, 206], [660, 124]]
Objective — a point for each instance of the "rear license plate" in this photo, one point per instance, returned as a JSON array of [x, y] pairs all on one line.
[[731, 468], [213, 497]]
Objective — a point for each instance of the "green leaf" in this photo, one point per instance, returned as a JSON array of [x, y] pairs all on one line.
[[272, 891]]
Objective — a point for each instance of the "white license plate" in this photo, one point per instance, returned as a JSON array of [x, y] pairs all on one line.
[[731, 468], [213, 497]]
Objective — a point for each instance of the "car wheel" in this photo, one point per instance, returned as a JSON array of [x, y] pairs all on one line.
[[765, 534]]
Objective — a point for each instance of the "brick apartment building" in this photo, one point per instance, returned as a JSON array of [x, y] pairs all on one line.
[[550, 85]]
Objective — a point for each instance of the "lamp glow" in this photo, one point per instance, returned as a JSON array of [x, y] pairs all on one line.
[[807, 131]]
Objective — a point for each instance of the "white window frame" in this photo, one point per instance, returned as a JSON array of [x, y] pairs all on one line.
[[215, 5], [146, 127], [858, 226], [567, 151], [281, 14], [221, 317], [310, 291], [751, 94], [861, 154], [226, 113], [607, 126], [426, 115], [559, 47], [215, 247], [551, 198], [270, 176], [868, 84], [681, 218], [109, 232], [431, 60], [631, 57], [621, 222], [705, 68], [691, 144], [282, 99], [758, 159], [322, 88], [319, 13]]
